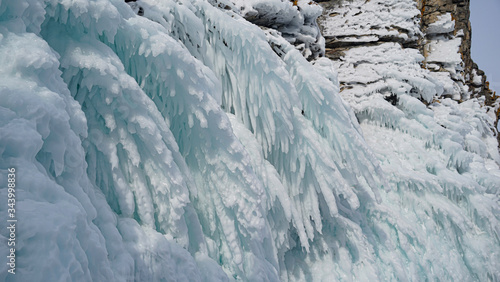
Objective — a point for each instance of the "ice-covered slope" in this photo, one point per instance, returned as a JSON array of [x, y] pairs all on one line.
[[438, 158], [189, 144]]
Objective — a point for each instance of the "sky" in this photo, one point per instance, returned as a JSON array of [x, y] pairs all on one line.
[[485, 19]]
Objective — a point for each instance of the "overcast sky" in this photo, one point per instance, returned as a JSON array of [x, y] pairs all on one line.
[[485, 19]]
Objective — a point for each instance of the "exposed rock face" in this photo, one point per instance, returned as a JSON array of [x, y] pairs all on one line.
[[459, 10], [439, 30]]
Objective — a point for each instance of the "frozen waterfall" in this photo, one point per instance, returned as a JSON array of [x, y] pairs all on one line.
[[190, 144]]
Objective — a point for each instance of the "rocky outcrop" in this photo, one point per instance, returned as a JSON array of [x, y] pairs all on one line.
[[437, 30], [470, 74], [455, 14]]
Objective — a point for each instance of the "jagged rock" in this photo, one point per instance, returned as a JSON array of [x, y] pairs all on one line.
[[474, 78], [439, 30]]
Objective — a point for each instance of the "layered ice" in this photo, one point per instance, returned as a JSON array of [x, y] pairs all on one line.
[[190, 144], [436, 157]]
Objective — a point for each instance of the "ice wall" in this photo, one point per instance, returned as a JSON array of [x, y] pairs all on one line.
[[189, 144], [435, 144]]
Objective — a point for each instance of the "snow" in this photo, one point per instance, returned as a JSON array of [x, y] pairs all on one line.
[[189, 144], [380, 18], [296, 22], [444, 24], [386, 67], [477, 79], [443, 54], [444, 51]]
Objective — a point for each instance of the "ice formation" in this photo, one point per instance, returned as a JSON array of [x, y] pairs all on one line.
[[189, 144]]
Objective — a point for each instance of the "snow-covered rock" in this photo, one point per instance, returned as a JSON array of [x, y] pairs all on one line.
[[168, 140]]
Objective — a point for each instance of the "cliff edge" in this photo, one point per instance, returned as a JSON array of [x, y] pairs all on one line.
[[439, 30]]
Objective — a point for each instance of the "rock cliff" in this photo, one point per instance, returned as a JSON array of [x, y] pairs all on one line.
[[434, 10], [439, 30]]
